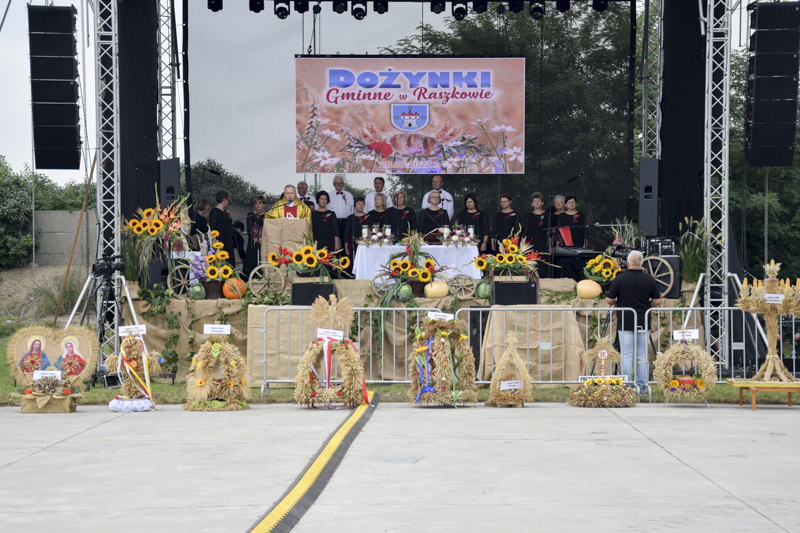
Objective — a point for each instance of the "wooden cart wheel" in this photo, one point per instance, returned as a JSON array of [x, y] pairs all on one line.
[[661, 272], [179, 280], [381, 283], [462, 285], [266, 274]]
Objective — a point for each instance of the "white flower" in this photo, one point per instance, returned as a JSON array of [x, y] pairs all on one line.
[[317, 120], [480, 121], [366, 156], [451, 162], [375, 238], [324, 158], [332, 134], [386, 241], [467, 239], [503, 127], [322, 154], [454, 238], [516, 153]]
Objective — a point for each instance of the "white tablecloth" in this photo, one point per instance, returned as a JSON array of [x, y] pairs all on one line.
[[370, 260]]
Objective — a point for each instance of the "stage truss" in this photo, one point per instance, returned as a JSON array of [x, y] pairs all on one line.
[[166, 80], [652, 68]]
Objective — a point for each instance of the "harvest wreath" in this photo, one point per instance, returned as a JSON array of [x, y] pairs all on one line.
[[696, 386], [226, 393]]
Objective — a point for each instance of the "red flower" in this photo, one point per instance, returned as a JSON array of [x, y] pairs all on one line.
[[383, 149], [66, 392], [28, 391], [396, 271], [575, 218], [430, 268], [408, 249]]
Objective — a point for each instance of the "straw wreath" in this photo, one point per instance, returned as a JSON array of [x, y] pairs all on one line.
[[680, 353], [511, 367], [228, 393]]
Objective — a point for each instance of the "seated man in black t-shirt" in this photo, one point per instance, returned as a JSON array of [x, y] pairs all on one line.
[[636, 289]]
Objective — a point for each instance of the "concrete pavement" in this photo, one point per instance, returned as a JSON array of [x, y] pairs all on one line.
[[547, 467]]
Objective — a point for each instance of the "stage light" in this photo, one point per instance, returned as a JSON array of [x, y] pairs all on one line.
[[516, 5], [437, 6], [459, 10], [301, 6], [501, 9], [215, 5], [256, 6], [599, 5], [537, 9], [317, 9], [282, 9], [479, 6], [359, 9], [562, 5], [340, 6], [381, 6]]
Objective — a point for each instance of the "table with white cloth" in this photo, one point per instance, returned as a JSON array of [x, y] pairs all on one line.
[[370, 260]]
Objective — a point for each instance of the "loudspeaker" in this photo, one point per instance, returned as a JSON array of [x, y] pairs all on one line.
[[771, 114], [649, 197], [514, 293], [54, 91], [169, 180]]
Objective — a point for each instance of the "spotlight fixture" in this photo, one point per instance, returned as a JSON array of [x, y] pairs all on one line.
[[215, 5], [515, 6], [599, 5], [479, 6], [282, 9], [317, 9], [562, 5], [256, 6], [358, 9], [301, 6], [437, 6], [537, 9], [340, 6], [381, 6], [459, 9], [501, 8]]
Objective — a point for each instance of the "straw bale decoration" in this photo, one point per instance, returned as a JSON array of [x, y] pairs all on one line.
[[217, 379], [443, 369], [71, 351], [314, 372], [695, 386], [600, 390], [511, 367]]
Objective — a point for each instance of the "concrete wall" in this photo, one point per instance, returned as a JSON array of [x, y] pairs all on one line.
[[55, 233]]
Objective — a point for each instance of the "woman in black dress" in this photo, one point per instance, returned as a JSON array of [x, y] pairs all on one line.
[[506, 222], [472, 215], [255, 227], [433, 216], [219, 220], [380, 215], [352, 227], [535, 229], [402, 218], [325, 225], [576, 222]]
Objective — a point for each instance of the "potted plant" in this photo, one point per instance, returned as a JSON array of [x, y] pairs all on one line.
[[313, 262], [211, 267]]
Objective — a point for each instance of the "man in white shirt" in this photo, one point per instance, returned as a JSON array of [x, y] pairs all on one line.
[[302, 194], [341, 201], [447, 199], [378, 183]]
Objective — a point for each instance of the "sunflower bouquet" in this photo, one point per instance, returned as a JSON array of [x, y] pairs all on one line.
[[601, 391], [410, 266], [601, 269], [516, 258], [212, 263], [310, 260]]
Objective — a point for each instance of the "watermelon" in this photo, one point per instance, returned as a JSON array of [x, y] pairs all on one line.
[[483, 290], [404, 292], [197, 292]]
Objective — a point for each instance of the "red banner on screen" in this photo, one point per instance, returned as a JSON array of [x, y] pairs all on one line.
[[410, 115]]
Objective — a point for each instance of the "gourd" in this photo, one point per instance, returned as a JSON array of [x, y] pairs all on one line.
[[234, 289], [589, 289], [436, 289]]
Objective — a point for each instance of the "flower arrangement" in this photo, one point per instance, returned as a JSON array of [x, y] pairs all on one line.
[[602, 392], [159, 231], [309, 260], [213, 264], [404, 268], [378, 236], [459, 237], [601, 269], [516, 257]]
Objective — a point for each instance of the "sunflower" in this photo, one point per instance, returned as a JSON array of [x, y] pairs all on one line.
[[618, 381], [212, 272], [598, 381], [215, 234], [148, 213], [210, 258], [429, 264], [674, 384], [513, 248], [607, 263], [310, 261], [138, 230], [152, 230], [242, 381], [218, 245], [616, 272], [297, 257], [222, 255], [501, 258], [414, 272], [322, 254], [425, 276], [132, 223], [394, 264], [201, 382], [522, 259], [506, 242], [405, 264], [587, 382], [607, 272], [344, 262], [480, 263], [598, 258], [157, 224], [700, 383], [590, 263], [226, 271], [307, 250], [229, 383], [597, 269], [273, 259], [144, 224]]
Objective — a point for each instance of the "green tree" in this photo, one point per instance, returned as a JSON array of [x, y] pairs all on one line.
[[209, 176]]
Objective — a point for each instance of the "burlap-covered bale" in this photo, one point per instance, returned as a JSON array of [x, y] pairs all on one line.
[[511, 368], [443, 368], [52, 404], [218, 378], [558, 362], [286, 232]]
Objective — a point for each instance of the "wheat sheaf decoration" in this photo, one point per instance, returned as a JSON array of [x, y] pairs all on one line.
[[601, 390], [217, 379], [510, 368]]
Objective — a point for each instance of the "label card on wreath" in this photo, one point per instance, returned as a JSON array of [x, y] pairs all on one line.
[[433, 315], [773, 298], [623, 377], [135, 330], [687, 334], [334, 334], [515, 384], [41, 374], [217, 329]]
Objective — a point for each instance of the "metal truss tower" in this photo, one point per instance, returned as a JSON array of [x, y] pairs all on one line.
[[652, 68], [166, 81]]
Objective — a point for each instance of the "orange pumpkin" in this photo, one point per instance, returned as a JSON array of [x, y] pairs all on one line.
[[234, 289]]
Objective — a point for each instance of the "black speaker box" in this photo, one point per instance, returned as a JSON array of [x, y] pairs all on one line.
[[54, 68], [307, 293], [52, 19], [57, 137], [774, 65], [775, 16], [775, 41], [772, 111], [53, 44], [58, 159], [649, 197], [514, 293], [774, 88], [169, 180], [769, 156], [54, 91], [55, 114]]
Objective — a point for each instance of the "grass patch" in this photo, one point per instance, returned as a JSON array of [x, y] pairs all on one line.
[[48, 292]]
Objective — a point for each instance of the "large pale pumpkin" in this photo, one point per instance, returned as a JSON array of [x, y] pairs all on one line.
[[234, 289], [436, 289], [589, 289]]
